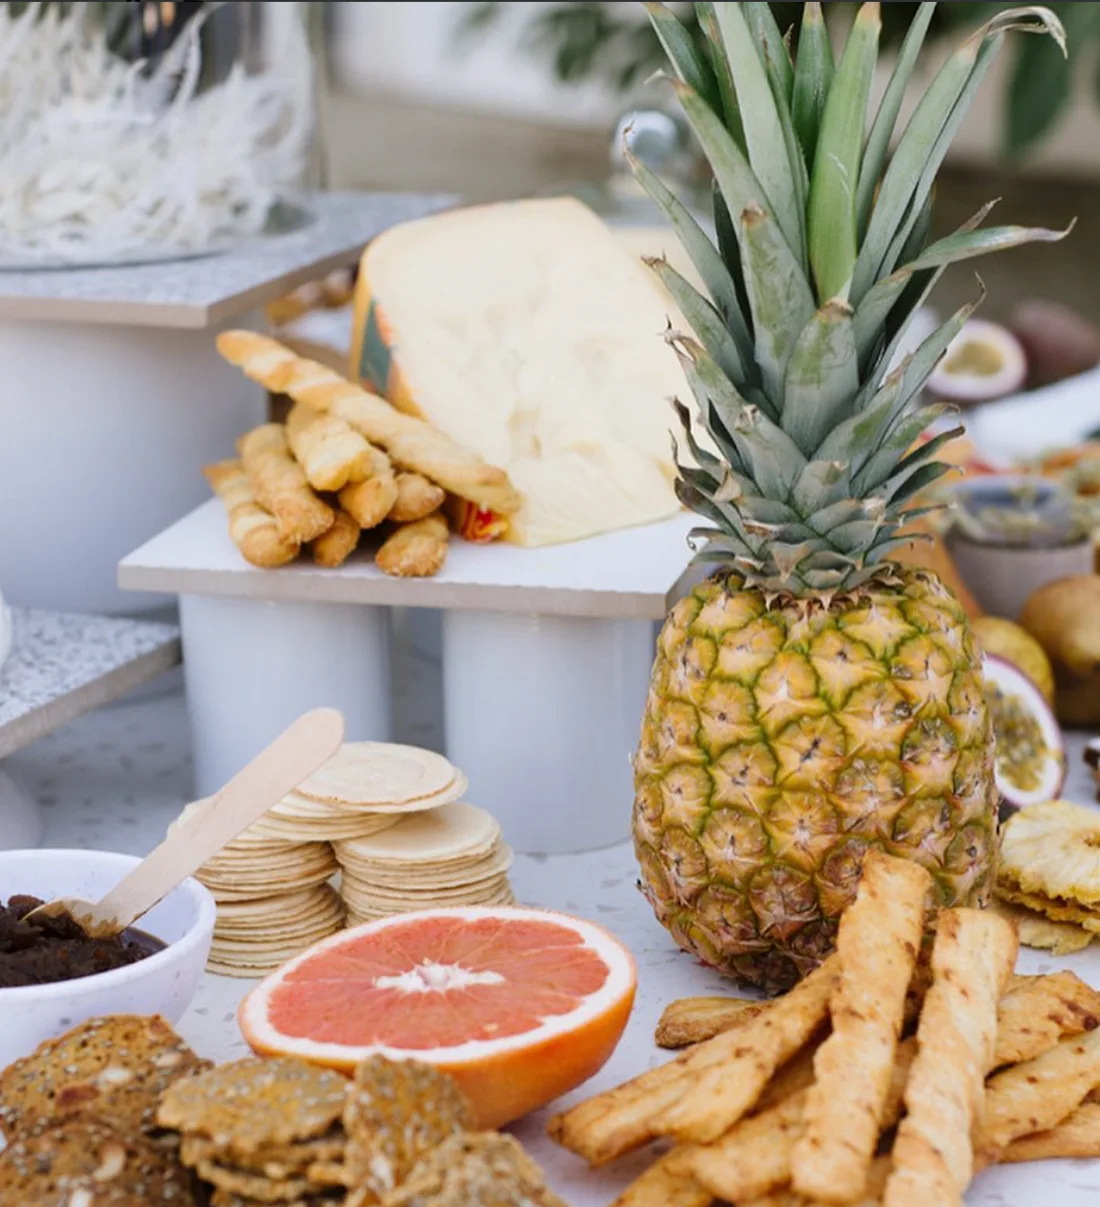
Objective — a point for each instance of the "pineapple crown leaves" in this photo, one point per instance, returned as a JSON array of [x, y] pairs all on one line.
[[821, 256]]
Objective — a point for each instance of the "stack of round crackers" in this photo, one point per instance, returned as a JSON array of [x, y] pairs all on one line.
[[366, 787], [273, 900], [271, 883], [453, 855]]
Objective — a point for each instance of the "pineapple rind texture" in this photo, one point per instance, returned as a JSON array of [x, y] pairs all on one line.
[[782, 738]]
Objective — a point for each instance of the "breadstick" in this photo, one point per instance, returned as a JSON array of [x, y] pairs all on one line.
[[330, 452], [416, 550], [253, 530], [416, 498], [371, 501], [412, 442], [280, 484], [334, 547]]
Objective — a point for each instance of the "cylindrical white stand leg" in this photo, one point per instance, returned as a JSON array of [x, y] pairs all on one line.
[[21, 823], [121, 420], [543, 714], [252, 667]]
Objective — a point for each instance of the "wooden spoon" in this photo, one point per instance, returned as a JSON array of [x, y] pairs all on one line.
[[308, 744]]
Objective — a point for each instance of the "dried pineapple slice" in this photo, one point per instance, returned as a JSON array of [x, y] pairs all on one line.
[[1035, 930], [1053, 849]]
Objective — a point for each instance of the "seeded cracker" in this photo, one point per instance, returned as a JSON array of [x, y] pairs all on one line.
[[397, 1111], [277, 1161], [82, 1163], [112, 1068], [255, 1187], [227, 1198], [484, 1168], [251, 1104]]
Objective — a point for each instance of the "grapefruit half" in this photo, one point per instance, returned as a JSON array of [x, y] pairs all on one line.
[[518, 1005]]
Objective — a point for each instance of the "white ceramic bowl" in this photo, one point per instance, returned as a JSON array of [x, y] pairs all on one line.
[[163, 983]]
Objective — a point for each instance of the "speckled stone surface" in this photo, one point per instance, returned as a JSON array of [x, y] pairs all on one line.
[[198, 292], [62, 665], [116, 778]]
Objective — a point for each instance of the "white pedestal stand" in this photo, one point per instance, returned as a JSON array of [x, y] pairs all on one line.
[[542, 712], [117, 387], [546, 659], [62, 666], [252, 667]]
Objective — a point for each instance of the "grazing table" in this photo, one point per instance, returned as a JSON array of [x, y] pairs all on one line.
[[141, 750]]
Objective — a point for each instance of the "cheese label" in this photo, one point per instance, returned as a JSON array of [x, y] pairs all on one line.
[[375, 362]]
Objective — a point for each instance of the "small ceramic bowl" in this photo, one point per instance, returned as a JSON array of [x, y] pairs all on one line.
[[163, 983]]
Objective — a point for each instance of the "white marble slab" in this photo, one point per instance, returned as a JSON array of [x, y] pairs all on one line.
[[621, 575], [63, 664], [115, 779], [203, 291]]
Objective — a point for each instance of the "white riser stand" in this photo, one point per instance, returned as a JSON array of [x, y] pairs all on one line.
[[131, 414], [118, 395], [546, 655], [252, 667], [543, 714]]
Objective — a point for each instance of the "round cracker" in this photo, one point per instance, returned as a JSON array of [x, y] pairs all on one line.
[[327, 829], [253, 892], [458, 831], [370, 774], [462, 892], [247, 840], [289, 904], [432, 876]]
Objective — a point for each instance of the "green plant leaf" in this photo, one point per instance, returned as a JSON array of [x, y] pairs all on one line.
[[813, 75], [701, 251], [921, 150], [779, 297], [732, 172], [832, 212], [689, 65], [703, 319], [731, 256], [822, 376], [966, 245], [708, 23], [1039, 88], [767, 141], [777, 58], [882, 128], [821, 484], [921, 284]]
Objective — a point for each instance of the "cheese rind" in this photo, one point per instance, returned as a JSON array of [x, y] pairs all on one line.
[[528, 332]]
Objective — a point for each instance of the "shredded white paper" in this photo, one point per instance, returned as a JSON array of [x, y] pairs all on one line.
[[101, 162]]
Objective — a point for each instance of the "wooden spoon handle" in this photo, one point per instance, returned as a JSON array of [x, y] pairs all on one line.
[[299, 751]]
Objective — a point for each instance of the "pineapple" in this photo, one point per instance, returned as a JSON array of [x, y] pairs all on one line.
[[811, 698]]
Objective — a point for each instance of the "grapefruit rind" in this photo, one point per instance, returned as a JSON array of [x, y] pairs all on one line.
[[618, 984]]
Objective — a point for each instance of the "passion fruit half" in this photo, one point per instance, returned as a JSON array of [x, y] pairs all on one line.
[[1031, 755], [983, 362]]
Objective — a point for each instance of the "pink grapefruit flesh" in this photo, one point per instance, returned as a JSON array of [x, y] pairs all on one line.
[[519, 1005]]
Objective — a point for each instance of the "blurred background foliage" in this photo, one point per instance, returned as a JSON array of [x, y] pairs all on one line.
[[615, 44]]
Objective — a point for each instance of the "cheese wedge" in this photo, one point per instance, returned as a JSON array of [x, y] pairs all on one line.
[[531, 334]]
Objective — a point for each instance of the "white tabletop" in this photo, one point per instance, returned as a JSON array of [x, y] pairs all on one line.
[[628, 574], [115, 778], [202, 291]]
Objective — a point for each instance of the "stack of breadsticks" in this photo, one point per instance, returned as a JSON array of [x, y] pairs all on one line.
[[344, 462], [884, 1078]]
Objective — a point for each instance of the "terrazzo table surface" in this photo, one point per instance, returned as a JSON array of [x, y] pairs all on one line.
[[114, 780], [199, 292], [62, 665]]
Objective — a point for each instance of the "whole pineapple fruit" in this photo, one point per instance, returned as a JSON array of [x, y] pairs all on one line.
[[811, 698]]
